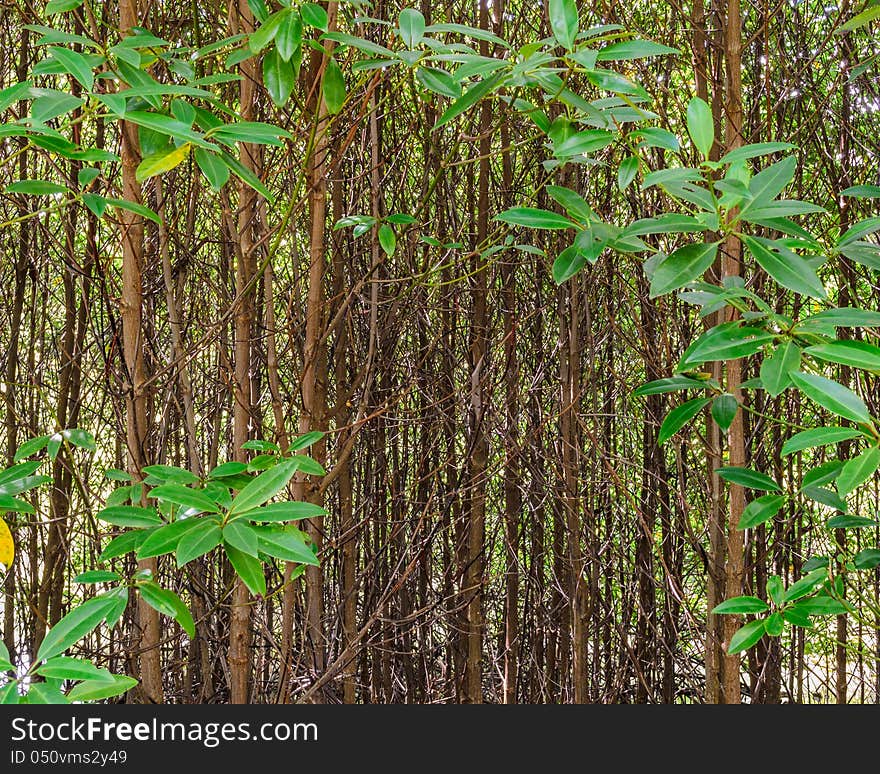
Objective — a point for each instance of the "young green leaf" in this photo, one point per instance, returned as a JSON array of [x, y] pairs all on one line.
[[679, 417], [858, 470], [739, 605], [859, 354], [775, 368], [833, 396], [241, 535], [681, 267], [249, 569], [333, 87], [183, 495], [563, 21], [412, 27], [786, 267], [74, 626], [746, 636], [750, 479], [263, 487], [285, 543], [533, 217], [165, 539], [700, 125], [94, 690], [130, 516], [724, 409], [198, 541], [279, 78], [760, 510], [817, 436]]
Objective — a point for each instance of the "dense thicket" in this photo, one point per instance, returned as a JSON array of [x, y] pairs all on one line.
[[501, 523]]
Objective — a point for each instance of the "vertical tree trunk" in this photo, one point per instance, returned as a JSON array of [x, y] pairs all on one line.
[[239, 656], [137, 418], [736, 436]]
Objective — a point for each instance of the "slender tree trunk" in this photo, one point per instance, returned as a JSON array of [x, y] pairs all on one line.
[[736, 436]]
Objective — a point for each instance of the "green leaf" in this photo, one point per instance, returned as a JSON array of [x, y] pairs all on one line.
[[776, 589], [738, 605], [817, 436], [473, 95], [387, 239], [279, 77], [74, 626], [845, 317], [80, 438], [61, 6], [124, 204], [670, 384], [74, 64], [863, 19], [858, 470], [786, 267], [215, 171], [700, 125], [305, 440], [167, 603], [161, 162], [563, 21], [760, 510], [846, 521], [241, 535], [249, 569], [171, 473], [532, 217], [285, 543], [307, 465], [288, 38], [724, 409], [806, 584], [859, 354], [833, 396], [753, 150], [439, 81], [412, 27], [775, 368], [265, 33], [94, 690], [166, 539], [130, 516], [263, 487], [682, 267], [314, 15], [862, 191], [163, 124], [726, 341], [584, 142], [36, 188], [30, 447], [633, 49], [774, 624], [568, 263], [822, 605], [66, 668], [679, 417], [750, 479], [333, 87], [867, 559], [45, 693], [97, 576], [746, 636], [289, 511], [198, 541], [121, 545], [182, 495], [626, 172]]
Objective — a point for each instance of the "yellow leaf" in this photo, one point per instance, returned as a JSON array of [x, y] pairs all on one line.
[[7, 547]]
